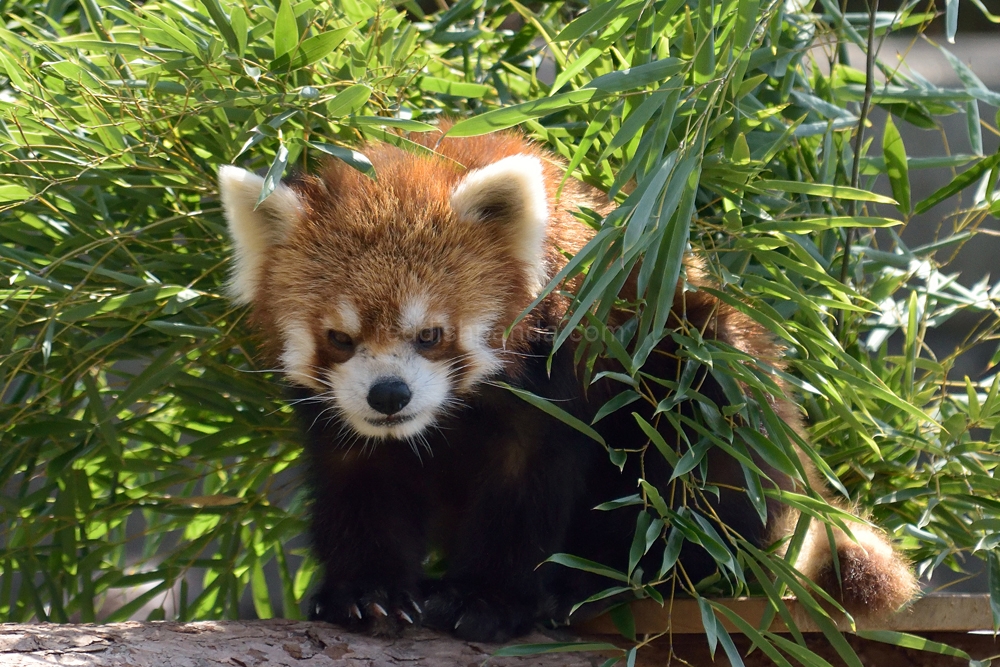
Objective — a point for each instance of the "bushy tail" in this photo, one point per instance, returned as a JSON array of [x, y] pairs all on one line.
[[874, 579]]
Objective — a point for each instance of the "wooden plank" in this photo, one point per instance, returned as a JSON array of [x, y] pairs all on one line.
[[938, 613], [677, 650]]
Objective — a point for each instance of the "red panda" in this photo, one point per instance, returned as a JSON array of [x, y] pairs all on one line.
[[385, 304]]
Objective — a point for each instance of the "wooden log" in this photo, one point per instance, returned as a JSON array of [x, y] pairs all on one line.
[[283, 643], [273, 643]]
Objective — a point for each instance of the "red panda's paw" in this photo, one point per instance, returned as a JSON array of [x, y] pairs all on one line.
[[375, 611], [479, 617]]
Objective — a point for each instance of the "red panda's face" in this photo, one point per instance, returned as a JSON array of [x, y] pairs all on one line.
[[389, 298]]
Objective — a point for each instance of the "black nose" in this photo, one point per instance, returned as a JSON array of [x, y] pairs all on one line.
[[389, 396]]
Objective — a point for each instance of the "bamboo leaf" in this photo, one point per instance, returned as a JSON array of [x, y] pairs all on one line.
[[286, 30], [621, 615], [593, 19], [709, 622], [457, 88], [557, 412], [348, 155], [896, 165], [554, 647], [223, 24], [500, 119], [615, 404], [315, 48], [951, 19], [905, 640], [959, 183], [637, 77], [274, 174], [819, 224], [258, 590], [349, 100], [578, 563], [822, 190]]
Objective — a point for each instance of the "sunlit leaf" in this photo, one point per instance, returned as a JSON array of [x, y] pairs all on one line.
[[348, 155], [503, 118], [897, 167], [286, 31], [959, 183], [823, 190]]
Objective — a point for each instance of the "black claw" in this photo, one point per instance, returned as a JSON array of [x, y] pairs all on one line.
[[378, 611]]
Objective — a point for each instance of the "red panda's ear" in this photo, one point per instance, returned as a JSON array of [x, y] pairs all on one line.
[[510, 192], [253, 228]]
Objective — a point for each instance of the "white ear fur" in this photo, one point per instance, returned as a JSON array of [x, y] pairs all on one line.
[[510, 192], [253, 228]]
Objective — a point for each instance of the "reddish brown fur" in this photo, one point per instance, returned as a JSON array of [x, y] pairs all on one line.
[[404, 219], [871, 583]]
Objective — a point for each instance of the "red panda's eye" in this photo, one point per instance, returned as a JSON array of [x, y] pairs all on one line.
[[340, 340], [428, 338]]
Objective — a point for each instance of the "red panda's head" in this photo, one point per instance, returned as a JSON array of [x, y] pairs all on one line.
[[389, 297]]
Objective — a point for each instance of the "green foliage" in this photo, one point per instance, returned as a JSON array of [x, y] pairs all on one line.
[[142, 444]]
